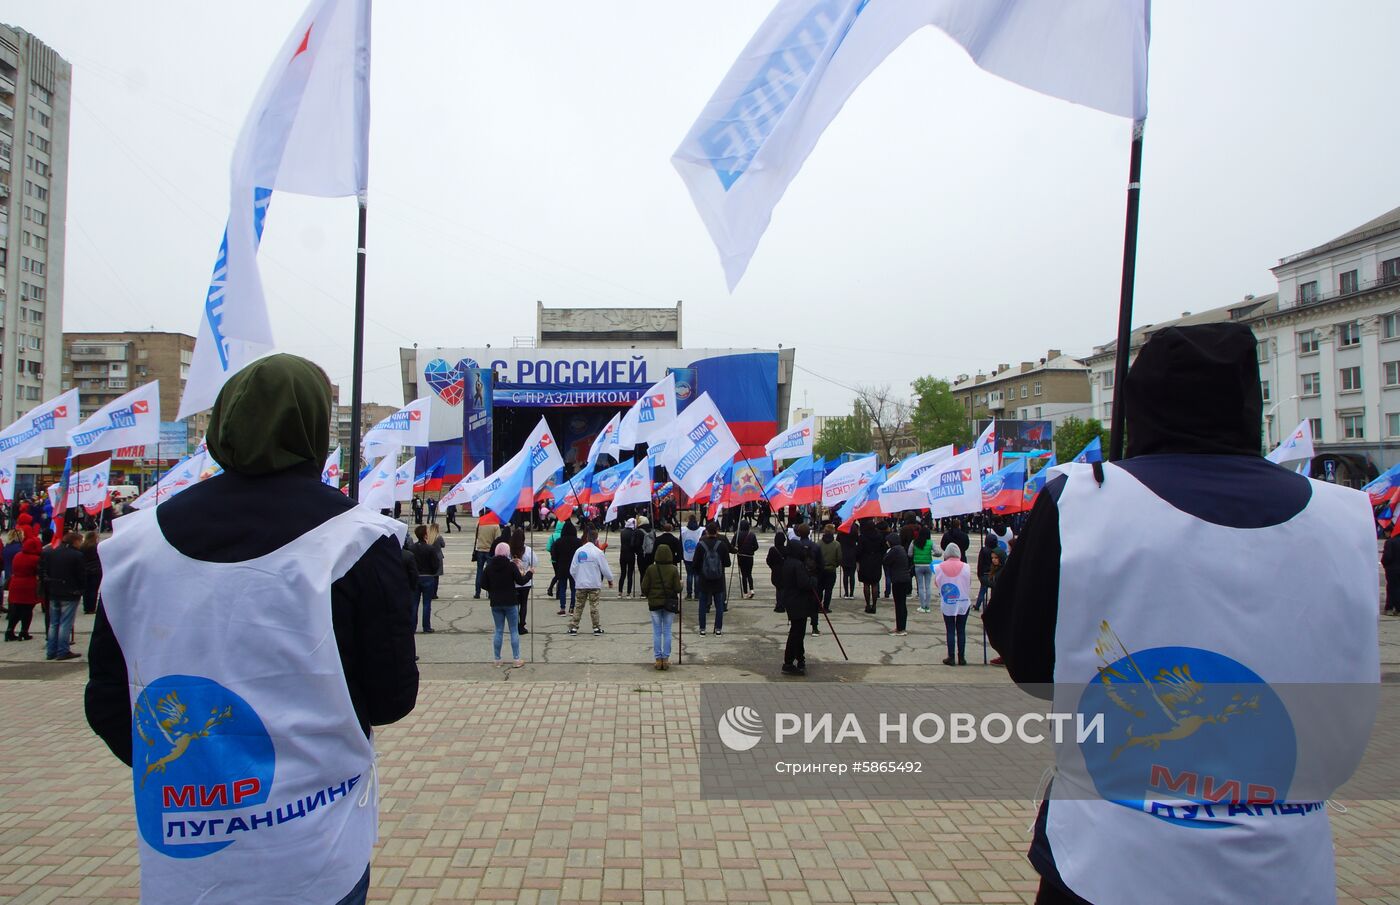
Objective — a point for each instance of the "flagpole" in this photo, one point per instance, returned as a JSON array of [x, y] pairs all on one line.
[[358, 362], [1125, 296]]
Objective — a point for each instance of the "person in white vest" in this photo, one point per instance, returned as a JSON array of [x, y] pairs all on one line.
[[239, 660], [1148, 587]]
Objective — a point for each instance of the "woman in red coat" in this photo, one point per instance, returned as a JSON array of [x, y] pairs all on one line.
[[24, 590], [26, 524]]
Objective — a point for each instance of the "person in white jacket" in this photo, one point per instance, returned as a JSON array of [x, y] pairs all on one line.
[[589, 570]]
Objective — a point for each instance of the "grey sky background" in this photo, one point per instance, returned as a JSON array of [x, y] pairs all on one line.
[[947, 221]]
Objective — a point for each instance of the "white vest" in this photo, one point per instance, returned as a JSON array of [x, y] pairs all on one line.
[[1149, 587], [955, 591], [252, 777]]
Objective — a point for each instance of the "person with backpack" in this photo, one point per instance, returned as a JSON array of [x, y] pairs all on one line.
[[745, 548], [690, 539], [661, 586], [712, 554], [645, 543], [627, 557]]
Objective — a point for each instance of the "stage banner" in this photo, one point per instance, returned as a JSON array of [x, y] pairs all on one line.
[[477, 417]]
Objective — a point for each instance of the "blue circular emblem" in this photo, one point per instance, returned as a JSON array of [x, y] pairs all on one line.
[[1190, 736], [199, 753]]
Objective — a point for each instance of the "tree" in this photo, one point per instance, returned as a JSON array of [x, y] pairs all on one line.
[[885, 413], [1074, 434], [938, 419], [843, 435]]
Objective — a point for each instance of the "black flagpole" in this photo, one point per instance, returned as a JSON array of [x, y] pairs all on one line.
[[1125, 297], [358, 366]]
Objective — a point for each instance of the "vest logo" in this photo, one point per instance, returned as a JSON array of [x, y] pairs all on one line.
[[1192, 737], [949, 594], [202, 769]]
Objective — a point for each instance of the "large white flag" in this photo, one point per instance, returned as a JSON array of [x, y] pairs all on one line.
[[461, 492], [901, 492], [809, 56], [845, 479], [377, 486], [606, 443], [954, 486], [1297, 447], [793, 443], [307, 133], [330, 472], [406, 427], [131, 420], [88, 488], [40, 428], [700, 445], [635, 488], [650, 415], [186, 473], [403, 481], [987, 453]]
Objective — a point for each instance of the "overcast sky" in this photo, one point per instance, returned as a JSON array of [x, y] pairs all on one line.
[[947, 221]]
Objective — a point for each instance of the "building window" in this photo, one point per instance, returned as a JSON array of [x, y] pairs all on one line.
[[1392, 425], [1307, 342], [1351, 379], [1264, 389], [1107, 410], [1107, 379], [1307, 292], [1312, 384], [1261, 351], [1036, 388], [1349, 334], [1315, 425], [1392, 373], [1390, 326], [1347, 283], [1025, 391], [1039, 411], [1390, 270], [1353, 427]]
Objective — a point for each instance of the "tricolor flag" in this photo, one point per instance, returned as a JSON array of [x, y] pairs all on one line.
[[43, 427], [1004, 490], [799, 485], [307, 133], [809, 56], [650, 415], [846, 478], [864, 501], [330, 472], [702, 442], [635, 488], [1036, 483], [605, 483], [461, 493], [747, 478], [430, 478], [795, 442], [571, 493], [408, 427], [524, 475], [1091, 453]]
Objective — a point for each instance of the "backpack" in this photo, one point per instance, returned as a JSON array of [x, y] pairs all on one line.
[[648, 542], [712, 566]]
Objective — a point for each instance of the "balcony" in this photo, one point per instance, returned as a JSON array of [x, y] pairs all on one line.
[[7, 84], [106, 352], [6, 111], [996, 401]]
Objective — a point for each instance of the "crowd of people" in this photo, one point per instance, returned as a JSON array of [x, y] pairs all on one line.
[[55, 578]]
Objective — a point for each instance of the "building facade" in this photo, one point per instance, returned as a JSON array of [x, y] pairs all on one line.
[[1051, 389], [34, 106], [104, 366]]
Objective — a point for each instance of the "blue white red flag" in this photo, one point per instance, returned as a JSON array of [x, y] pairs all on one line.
[[1004, 490], [848, 477], [864, 502], [528, 470], [719, 488], [799, 485], [635, 488], [987, 449], [1036, 483], [605, 483], [1380, 489], [430, 478]]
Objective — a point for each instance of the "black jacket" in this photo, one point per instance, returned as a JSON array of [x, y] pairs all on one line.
[[224, 519], [64, 572], [795, 592], [956, 536], [499, 579], [674, 543], [410, 570], [721, 546], [561, 555], [1390, 558], [897, 561]]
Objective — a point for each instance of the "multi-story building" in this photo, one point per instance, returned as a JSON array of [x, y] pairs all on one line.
[[103, 366], [1329, 350], [34, 102], [371, 413], [1100, 362], [1050, 389]]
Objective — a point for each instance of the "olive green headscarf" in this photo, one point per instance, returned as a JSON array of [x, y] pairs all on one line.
[[273, 414]]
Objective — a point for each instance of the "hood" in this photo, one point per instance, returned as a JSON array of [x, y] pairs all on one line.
[[32, 545], [272, 415], [953, 567], [663, 554], [1195, 390]]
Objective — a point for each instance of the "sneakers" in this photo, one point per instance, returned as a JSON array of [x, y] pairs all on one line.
[[901, 633], [816, 631], [573, 630], [562, 613], [517, 664], [718, 632], [924, 609], [702, 631], [597, 630]]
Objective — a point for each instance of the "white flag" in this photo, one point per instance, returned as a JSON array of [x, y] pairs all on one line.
[[43, 427], [330, 473], [377, 486], [954, 486], [408, 427], [461, 492], [7, 481], [793, 443], [649, 415], [635, 488], [307, 133], [131, 420], [606, 443], [87, 488], [901, 492], [809, 56], [186, 473], [987, 453], [1298, 447], [701, 444], [403, 481], [845, 479]]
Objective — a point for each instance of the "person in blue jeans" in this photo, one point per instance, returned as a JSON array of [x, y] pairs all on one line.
[[500, 578], [429, 558], [711, 561], [63, 575], [661, 586]]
